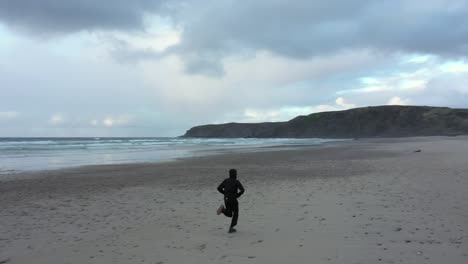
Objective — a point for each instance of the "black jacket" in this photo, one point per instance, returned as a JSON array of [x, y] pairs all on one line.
[[229, 187]]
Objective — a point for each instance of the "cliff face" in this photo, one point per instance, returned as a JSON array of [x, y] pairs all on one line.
[[379, 121]]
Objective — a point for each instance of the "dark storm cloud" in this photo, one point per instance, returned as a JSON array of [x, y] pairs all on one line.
[[67, 16]]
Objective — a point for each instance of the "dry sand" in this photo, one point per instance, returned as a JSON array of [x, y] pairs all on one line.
[[366, 201]]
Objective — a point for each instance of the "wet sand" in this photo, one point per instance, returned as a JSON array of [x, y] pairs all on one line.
[[366, 201]]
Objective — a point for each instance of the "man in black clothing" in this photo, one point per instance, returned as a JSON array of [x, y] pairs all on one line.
[[230, 187]]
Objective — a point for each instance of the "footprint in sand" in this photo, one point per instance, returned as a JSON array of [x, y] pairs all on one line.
[[202, 247], [257, 242]]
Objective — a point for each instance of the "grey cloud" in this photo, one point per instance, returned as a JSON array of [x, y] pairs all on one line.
[[304, 29], [301, 29], [308, 28], [213, 29], [280, 26], [46, 17], [207, 64], [123, 52]]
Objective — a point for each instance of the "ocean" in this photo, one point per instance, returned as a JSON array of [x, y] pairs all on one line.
[[35, 154]]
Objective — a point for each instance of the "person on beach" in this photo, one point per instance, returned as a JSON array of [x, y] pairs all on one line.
[[232, 189]]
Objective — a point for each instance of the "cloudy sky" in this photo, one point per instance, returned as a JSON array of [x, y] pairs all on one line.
[[158, 67]]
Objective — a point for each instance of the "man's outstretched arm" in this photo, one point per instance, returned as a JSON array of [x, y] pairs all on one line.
[[221, 188], [241, 189]]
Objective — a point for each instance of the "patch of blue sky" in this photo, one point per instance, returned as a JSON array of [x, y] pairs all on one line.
[[418, 58], [6, 38]]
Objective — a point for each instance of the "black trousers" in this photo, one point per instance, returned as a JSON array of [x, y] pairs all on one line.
[[231, 210]]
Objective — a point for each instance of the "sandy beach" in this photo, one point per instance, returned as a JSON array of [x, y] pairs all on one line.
[[364, 201]]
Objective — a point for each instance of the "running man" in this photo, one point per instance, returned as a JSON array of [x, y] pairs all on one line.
[[229, 188]]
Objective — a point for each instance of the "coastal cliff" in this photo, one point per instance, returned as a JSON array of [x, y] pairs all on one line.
[[376, 121]]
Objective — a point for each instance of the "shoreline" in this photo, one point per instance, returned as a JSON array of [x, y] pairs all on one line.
[[350, 202], [187, 152], [13, 175], [7, 175]]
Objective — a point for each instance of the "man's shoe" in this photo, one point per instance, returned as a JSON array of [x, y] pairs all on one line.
[[232, 230], [220, 210]]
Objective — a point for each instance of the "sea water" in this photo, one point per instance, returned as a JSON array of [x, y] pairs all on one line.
[[32, 154]]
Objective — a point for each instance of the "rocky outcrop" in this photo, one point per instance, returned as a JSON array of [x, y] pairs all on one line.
[[377, 121]]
